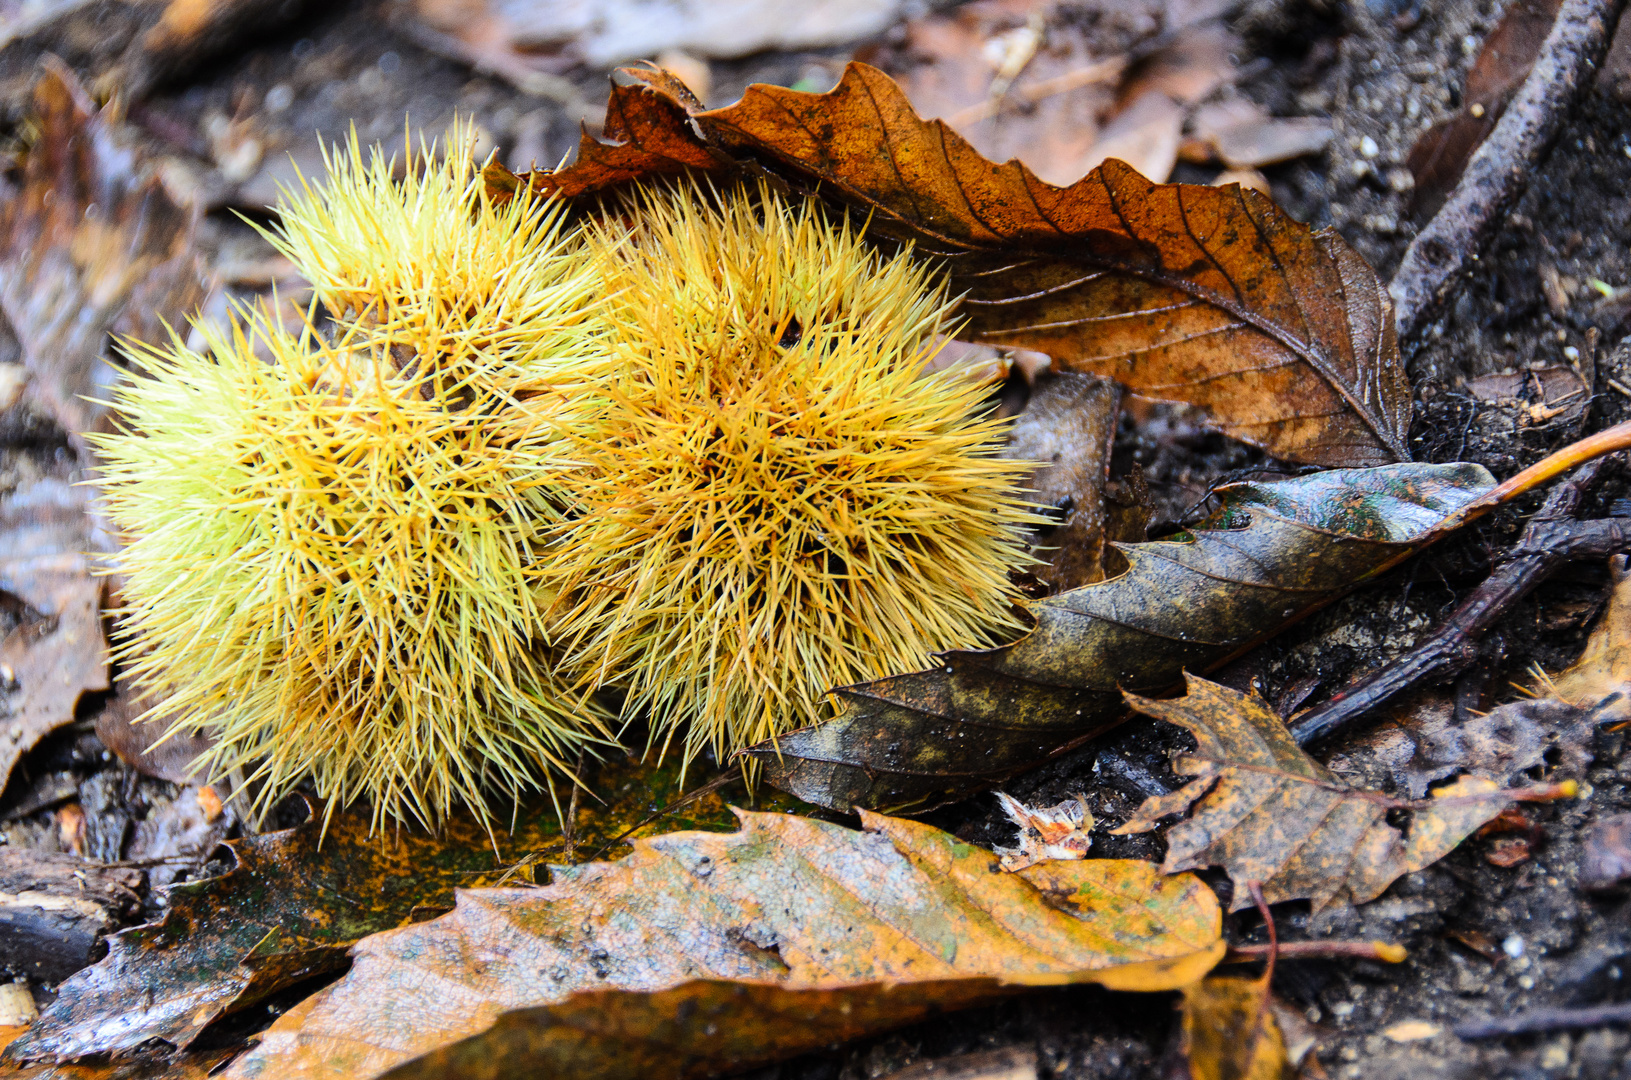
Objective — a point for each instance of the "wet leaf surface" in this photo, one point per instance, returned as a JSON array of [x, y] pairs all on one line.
[[1210, 296], [1267, 812], [297, 899], [1275, 552], [787, 905]]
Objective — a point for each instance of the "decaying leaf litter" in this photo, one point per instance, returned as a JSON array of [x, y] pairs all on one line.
[[1360, 103]]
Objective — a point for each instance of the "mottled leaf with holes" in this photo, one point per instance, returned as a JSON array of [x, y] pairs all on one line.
[[1207, 295], [786, 904], [1267, 812], [1273, 553]]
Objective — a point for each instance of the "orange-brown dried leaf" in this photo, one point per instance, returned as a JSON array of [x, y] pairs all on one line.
[[785, 904], [1267, 812], [1211, 296], [1230, 1032]]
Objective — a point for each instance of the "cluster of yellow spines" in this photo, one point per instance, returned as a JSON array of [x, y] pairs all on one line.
[[686, 450], [776, 499]]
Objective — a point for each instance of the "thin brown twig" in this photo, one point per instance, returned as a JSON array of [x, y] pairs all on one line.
[[1500, 168], [569, 832], [1317, 950]]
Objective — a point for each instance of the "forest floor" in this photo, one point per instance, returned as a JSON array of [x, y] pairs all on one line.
[[1484, 939]]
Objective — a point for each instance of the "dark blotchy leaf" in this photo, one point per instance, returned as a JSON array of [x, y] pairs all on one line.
[[786, 903], [1184, 604], [1206, 295], [1267, 812], [298, 899]]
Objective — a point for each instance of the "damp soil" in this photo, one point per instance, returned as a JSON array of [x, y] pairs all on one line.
[[1483, 939]]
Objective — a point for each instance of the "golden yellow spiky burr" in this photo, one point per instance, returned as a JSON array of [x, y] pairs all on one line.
[[332, 547], [776, 499]]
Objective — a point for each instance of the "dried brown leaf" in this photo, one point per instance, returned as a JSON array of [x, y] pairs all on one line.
[[1230, 1032], [1440, 154], [1267, 812], [91, 246], [808, 919], [1206, 295], [1604, 667], [1069, 425]]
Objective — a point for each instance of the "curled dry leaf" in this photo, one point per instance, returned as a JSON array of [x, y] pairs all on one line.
[[1275, 552], [1046, 832], [92, 245], [1267, 812], [1069, 426], [808, 921], [1210, 296]]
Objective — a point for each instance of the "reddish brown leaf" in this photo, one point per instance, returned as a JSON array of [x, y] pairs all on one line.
[[1206, 295]]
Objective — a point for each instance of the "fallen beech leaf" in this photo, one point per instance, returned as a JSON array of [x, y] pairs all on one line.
[[1049, 832], [1244, 135], [298, 898], [1275, 552], [1230, 1032], [92, 245], [870, 929], [1267, 812], [1210, 296], [1143, 135], [523, 42]]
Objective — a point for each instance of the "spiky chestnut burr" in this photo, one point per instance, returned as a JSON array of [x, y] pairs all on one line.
[[777, 499], [332, 558]]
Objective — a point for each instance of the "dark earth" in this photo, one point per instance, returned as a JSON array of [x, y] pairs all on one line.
[[1483, 939]]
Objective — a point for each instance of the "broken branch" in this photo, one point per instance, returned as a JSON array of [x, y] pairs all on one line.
[[1500, 168]]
